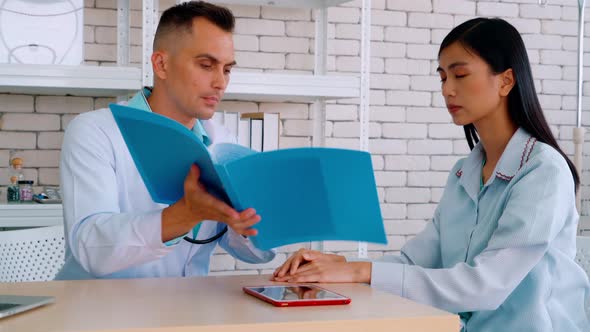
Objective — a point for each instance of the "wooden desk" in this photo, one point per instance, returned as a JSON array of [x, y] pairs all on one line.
[[211, 304]]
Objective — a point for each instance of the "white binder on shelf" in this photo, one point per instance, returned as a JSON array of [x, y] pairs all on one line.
[[264, 130], [230, 121], [244, 132], [218, 118], [256, 132], [270, 135]]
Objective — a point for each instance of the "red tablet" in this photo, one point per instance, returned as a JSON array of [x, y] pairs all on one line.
[[296, 295]]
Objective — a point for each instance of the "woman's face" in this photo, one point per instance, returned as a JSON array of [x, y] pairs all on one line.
[[471, 91]]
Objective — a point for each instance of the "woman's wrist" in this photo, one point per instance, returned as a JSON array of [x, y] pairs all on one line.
[[362, 272]]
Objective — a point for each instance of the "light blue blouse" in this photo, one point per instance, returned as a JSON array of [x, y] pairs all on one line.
[[502, 257]]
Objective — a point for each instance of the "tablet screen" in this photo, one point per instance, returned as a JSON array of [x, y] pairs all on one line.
[[296, 292], [14, 304], [6, 306]]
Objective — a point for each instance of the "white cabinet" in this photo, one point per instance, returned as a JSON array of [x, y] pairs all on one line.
[[30, 215]]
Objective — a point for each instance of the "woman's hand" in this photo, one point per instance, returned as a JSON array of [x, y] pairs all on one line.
[[330, 271], [302, 257]]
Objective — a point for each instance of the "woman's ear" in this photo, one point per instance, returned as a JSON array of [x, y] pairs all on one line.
[[507, 82], [160, 64]]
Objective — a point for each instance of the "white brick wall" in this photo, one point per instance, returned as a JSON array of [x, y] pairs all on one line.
[[30, 122], [497, 9], [16, 103], [410, 5], [407, 35], [247, 26], [413, 142], [284, 44]]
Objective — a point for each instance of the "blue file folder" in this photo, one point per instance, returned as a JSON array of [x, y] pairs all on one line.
[[302, 194]]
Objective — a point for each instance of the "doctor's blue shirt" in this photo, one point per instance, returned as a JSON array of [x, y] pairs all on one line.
[[501, 255]]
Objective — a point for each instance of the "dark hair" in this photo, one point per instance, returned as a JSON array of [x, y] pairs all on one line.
[[181, 16], [500, 45]]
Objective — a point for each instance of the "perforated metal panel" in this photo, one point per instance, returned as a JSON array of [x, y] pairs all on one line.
[[583, 258], [34, 254]]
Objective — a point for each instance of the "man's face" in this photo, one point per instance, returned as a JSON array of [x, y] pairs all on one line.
[[198, 69]]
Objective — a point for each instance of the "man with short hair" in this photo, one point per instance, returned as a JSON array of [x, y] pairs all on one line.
[[113, 228]]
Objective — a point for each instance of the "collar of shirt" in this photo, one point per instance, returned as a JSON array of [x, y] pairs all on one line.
[[139, 101], [514, 157]]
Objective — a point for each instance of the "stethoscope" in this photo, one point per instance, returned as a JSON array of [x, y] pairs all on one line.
[[209, 240]]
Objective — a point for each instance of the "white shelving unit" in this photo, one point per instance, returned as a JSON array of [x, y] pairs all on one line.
[[123, 80], [294, 88], [114, 81], [286, 3], [73, 80]]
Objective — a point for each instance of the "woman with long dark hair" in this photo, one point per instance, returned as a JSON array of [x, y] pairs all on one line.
[[500, 250]]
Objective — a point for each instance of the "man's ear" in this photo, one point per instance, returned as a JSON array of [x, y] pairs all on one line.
[[507, 82], [160, 64]]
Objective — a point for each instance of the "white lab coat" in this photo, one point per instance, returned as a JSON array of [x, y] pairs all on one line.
[[112, 226]]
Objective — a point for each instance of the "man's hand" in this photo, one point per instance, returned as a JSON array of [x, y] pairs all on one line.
[[198, 205]]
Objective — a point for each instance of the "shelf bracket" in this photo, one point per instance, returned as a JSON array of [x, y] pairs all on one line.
[[321, 57], [123, 31], [365, 91], [319, 106], [150, 15]]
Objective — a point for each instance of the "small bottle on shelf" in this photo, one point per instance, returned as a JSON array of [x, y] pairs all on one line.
[[16, 175], [12, 192], [25, 191]]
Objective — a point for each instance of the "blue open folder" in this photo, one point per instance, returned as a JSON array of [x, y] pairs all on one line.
[[304, 194]]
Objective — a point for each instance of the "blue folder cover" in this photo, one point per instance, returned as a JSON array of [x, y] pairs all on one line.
[[302, 194]]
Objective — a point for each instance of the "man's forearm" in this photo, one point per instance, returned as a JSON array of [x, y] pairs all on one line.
[[176, 221]]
